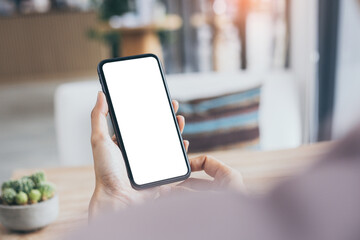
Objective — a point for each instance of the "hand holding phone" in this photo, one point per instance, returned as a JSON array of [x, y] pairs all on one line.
[[135, 89], [113, 190]]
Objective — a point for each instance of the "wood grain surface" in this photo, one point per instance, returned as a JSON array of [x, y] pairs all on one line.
[[261, 171], [49, 46]]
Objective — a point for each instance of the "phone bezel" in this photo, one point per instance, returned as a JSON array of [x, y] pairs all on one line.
[[117, 129]]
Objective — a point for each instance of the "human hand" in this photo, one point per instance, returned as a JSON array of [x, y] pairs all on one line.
[[223, 177], [113, 190]]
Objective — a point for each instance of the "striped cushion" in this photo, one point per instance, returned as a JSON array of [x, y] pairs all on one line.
[[225, 121]]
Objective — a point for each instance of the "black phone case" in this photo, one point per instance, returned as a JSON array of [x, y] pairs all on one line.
[[117, 130]]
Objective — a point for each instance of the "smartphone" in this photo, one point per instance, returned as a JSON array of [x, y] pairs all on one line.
[[144, 121]]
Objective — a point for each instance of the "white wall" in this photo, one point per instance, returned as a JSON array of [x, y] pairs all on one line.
[[347, 94], [303, 51]]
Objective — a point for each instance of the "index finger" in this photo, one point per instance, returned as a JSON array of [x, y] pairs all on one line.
[[99, 127], [175, 105]]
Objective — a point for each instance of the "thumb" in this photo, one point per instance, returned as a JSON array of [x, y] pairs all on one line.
[[99, 127]]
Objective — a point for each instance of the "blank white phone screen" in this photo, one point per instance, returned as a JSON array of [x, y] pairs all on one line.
[[145, 120]]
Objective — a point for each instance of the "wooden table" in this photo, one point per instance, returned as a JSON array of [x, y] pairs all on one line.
[[261, 171]]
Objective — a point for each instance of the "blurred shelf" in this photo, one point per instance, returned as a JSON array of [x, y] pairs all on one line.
[[51, 45], [143, 39]]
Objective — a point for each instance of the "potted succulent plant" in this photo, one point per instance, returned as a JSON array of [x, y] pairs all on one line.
[[28, 203]]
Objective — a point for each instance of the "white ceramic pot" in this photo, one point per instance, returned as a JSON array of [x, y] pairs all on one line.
[[29, 217]]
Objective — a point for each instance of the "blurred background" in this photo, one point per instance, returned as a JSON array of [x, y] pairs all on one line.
[[251, 74]]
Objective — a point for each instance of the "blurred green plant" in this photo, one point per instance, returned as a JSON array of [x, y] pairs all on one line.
[[7, 184], [35, 196], [28, 189], [38, 178], [25, 184], [112, 39], [47, 190], [105, 10], [168, 37], [21, 198], [8, 195], [109, 8]]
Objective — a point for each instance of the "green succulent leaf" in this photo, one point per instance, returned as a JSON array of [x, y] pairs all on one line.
[[21, 198], [35, 196], [8, 195], [27, 184], [38, 178], [47, 190], [7, 184]]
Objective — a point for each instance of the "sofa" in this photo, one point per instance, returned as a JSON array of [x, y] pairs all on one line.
[[279, 111]]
